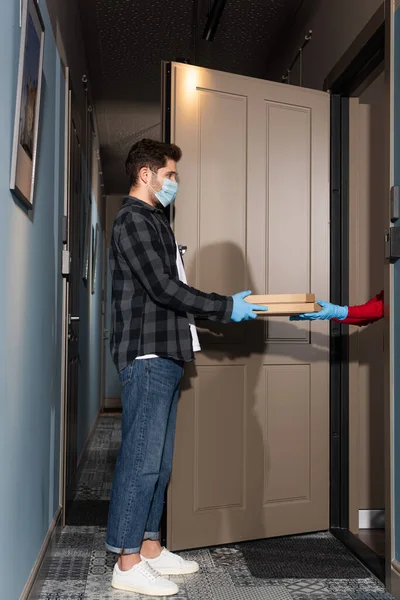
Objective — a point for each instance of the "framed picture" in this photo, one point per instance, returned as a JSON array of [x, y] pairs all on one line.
[[87, 243], [27, 110], [96, 236]]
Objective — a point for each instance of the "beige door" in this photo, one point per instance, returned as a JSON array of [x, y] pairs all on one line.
[[252, 448]]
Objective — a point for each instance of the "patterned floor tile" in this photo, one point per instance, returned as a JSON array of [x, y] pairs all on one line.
[[226, 557], [68, 568], [64, 596], [307, 587], [320, 596], [370, 584], [260, 593], [368, 595], [309, 567]]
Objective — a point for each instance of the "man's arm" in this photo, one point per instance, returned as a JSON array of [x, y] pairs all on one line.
[[361, 315], [139, 244], [367, 313]]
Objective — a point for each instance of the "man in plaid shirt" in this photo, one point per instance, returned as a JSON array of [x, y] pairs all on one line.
[[153, 335]]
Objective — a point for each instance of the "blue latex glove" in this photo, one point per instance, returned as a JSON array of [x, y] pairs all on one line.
[[329, 311], [242, 310]]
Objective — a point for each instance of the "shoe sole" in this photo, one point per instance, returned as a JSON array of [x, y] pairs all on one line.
[[187, 571], [145, 592]]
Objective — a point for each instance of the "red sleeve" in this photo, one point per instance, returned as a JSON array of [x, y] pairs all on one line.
[[366, 313]]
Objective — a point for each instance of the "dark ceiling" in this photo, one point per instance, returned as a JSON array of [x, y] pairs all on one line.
[[126, 40]]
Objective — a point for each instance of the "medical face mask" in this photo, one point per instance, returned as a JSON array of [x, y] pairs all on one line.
[[167, 194]]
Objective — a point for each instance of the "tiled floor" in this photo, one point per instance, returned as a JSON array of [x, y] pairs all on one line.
[[77, 566]]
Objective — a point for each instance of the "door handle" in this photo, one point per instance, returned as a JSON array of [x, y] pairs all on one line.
[[71, 319]]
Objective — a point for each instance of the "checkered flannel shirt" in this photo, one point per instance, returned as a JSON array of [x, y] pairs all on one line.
[[149, 302]]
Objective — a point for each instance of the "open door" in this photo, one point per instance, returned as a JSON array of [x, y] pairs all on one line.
[[72, 273], [252, 447], [392, 301]]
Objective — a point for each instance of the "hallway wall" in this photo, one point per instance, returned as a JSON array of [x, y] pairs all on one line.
[[335, 25], [30, 319], [31, 293], [67, 30]]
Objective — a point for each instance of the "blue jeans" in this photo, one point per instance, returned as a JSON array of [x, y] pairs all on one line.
[[149, 405]]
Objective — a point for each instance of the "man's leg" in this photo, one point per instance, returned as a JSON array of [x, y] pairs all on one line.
[[151, 547], [149, 387], [163, 561]]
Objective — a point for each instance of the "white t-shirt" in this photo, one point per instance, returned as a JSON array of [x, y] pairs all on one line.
[[193, 330]]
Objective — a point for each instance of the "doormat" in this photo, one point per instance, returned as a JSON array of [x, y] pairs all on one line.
[[315, 556], [92, 513]]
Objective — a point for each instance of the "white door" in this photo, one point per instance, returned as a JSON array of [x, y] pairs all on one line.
[[252, 447]]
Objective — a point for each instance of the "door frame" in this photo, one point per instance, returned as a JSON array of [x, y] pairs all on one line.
[[65, 307], [362, 63], [71, 119]]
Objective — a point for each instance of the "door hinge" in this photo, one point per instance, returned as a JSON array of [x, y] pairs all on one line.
[[64, 226], [394, 203], [392, 243], [66, 263]]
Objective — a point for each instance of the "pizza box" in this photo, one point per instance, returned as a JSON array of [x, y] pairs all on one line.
[[289, 309], [269, 299]]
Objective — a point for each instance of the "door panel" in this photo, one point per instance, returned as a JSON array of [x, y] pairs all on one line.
[[288, 134], [252, 448], [287, 474], [219, 473]]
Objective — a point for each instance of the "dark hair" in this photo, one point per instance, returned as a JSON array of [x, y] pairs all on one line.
[[151, 154]]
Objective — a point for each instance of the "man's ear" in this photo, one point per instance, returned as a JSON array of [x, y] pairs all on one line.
[[145, 174]]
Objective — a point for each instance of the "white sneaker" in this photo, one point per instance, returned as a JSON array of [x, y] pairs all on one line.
[[142, 579], [171, 564]]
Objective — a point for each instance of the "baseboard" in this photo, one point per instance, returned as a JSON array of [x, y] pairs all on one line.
[[112, 403], [394, 586], [373, 562], [38, 562], [371, 519]]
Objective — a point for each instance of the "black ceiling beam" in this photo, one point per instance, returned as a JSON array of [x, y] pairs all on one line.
[[213, 20]]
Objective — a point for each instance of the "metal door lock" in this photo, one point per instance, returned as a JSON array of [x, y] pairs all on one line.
[[392, 243]]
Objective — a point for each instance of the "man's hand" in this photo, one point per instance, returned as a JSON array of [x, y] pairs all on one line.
[[329, 311], [242, 310]]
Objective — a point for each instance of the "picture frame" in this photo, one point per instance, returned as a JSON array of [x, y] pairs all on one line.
[[28, 104], [96, 236], [87, 243]]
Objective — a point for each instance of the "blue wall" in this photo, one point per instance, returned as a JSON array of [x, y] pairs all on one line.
[[31, 316], [30, 320]]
